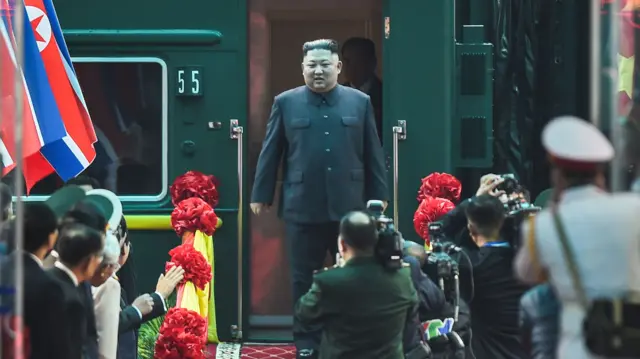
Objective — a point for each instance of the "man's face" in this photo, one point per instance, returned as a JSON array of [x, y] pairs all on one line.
[[320, 69], [357, 68]]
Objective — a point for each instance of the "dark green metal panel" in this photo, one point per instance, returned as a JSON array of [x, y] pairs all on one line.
[[472, 128], [182, 36], [418, 68]]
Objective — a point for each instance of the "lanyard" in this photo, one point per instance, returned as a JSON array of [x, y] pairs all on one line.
[[497, 244]]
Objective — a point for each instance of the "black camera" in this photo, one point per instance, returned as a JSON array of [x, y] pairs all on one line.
[[389, 246], [516, 204]]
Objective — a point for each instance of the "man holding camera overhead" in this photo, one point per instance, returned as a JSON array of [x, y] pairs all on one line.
[[325, 135]]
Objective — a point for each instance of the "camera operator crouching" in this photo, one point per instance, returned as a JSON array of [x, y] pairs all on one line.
[[364, 302]]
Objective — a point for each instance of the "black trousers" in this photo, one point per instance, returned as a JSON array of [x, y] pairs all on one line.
[[308, 245]]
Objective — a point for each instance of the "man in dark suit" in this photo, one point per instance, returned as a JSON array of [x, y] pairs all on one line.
[[360, 62], [92, 212], [363, 307], [44, 318], [333, 164], [80, 254]]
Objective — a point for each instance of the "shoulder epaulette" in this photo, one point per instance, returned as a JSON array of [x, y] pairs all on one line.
[[325, 269]]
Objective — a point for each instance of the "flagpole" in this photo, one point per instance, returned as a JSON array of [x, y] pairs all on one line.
[[19, 177]]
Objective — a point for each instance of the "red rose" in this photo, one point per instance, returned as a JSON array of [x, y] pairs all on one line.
[[194, 214], [441, 185], [195, 184], [431, 209], [196, 268], [183, 335]]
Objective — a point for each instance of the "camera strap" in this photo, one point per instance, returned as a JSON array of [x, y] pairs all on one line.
[[533, 250], [569, 257]]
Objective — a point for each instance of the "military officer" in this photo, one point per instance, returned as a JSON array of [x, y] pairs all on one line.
[[362, 307], [602, 231], [333, 163]]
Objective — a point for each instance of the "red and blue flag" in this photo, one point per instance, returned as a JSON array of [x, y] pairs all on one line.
[[60, 113]]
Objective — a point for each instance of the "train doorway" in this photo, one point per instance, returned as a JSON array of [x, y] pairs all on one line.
[[277, 30]]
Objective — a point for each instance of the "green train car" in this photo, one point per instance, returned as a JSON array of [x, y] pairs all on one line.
[[173, 87]]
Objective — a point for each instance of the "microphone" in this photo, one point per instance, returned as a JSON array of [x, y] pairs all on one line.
[[449, 247]]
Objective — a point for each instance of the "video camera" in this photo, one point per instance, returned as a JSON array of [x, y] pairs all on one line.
[[389, 246], [516, 204], [446, 268], [517, 209]]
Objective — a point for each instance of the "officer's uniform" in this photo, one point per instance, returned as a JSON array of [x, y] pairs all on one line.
[[603, 230], [332, 164], [362, 308]]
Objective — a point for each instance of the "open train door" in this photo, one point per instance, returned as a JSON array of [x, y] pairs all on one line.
[[418, 106]]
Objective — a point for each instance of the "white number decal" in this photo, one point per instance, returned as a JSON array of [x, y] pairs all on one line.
[[195, 82], [180, 81]]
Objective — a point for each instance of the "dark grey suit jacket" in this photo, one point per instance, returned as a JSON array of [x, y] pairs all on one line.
[[332, 158]]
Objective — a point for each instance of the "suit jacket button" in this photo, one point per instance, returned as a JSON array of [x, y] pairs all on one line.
[[328, 168]]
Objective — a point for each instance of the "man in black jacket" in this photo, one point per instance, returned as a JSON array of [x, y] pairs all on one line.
[[80, 253], [495, 299], [44, 318]]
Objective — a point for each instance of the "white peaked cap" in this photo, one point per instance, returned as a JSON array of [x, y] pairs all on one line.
[[574, 142]]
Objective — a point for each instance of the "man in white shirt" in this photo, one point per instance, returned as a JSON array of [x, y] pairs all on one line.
[[601, 231]]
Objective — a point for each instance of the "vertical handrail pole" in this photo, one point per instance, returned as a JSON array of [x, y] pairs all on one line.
[[237, 133], [18, 30]]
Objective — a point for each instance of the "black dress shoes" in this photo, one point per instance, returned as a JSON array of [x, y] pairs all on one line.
[[307, 354]]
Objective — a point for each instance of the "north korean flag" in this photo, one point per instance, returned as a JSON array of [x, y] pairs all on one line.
[[59, 103], [31, 139]]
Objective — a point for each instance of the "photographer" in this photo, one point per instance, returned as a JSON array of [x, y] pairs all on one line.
[[362, 305], [495, 294], [516, 204]]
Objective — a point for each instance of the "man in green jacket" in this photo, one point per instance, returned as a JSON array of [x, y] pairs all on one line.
[[362, 307]]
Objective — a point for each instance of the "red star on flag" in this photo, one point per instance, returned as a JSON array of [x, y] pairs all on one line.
[[34, 25]]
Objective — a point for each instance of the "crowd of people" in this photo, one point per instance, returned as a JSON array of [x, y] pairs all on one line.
[[497, 277], [502, 280], [79, 295]]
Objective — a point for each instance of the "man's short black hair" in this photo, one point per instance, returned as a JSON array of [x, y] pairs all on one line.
[[39, 222], [359, 231], [580, 178], [84, 180], [487, 214], [6, 198], [85, 213], [76, 242], [363, 45], [320, 44]]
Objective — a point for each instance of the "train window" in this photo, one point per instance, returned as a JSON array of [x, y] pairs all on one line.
[[127, 101]]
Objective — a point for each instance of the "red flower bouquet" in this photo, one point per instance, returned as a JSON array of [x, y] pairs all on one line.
[[196, 268], [183, 335], [194, 214], [195, 184], [430, 210], [441, 185]]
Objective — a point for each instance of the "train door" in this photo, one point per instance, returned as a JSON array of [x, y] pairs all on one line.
[[277, 30], [418, 93]]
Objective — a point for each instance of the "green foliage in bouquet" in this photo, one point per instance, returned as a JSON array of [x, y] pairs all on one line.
[[149, 331]]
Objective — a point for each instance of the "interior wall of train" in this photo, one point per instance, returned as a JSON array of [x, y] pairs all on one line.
[[165, 82]]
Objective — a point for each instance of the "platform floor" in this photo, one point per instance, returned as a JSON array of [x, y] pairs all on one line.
[[252, 351]]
